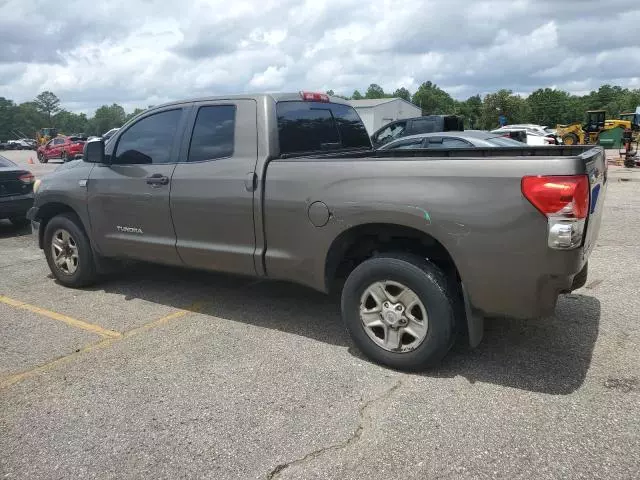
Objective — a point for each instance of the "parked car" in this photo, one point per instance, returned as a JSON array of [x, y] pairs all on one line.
[[64, 148], [20, 144], [109, 134], [288, 187], [16, 191], [528, 135], [466, 139], [413, 126]]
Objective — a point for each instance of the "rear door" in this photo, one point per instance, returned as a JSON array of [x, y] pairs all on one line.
[[213, 187], [129, 197]]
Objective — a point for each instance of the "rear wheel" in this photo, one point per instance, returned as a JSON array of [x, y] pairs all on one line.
[[68, 251], [570, 139], [42, 158], [399, 310]]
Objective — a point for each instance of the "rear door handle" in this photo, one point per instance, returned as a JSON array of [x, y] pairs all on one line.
[[157, 179]]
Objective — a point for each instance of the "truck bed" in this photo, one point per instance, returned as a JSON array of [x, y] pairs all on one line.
[[468, 200]]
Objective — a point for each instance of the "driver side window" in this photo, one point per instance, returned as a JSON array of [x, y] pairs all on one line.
[[148, 141]]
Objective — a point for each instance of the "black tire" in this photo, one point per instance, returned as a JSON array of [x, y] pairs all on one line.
[[85, 273], [432, 288], [20, 221], [570, 139], [42, 158]]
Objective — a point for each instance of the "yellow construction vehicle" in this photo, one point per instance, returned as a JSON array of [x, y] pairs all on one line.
[[634, 119], [589, 133], [45, 134]]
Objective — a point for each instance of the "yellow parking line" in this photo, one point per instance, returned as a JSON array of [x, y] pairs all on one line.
[[10, 380], [73, 322], [193, 308]]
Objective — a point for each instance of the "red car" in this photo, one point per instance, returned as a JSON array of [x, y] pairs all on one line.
[[65, 148]]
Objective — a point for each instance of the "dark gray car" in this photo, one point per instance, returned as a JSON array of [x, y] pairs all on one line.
[[466, 139], [420, 244]]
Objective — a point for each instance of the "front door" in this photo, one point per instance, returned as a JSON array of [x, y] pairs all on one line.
[[129, 196], [212, 190]]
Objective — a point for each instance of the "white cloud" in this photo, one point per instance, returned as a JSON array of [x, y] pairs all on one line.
[[138, 53]]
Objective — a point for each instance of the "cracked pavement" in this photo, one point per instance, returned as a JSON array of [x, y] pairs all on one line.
[[263, 383]]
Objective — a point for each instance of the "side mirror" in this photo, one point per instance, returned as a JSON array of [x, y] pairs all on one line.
[[93, 151]]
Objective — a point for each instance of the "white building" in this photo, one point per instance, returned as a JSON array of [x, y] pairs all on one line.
[[376, 113]]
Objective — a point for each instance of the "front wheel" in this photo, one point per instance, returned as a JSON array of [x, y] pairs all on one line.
[[570, 139], [42, 158], [68, 251], [399, 310]]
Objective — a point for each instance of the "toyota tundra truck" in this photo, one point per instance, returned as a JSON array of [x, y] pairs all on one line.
[[421, 245]]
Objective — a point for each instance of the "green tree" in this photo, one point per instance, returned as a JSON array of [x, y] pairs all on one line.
[[549, 106], [433, 100], [374, 91], [28, 118], [8, 111], [331, 93], [135, 113], [514, 107], [70, 123], [107, 117], [471, 110], [402, 93], [47, 104], [356, 95]]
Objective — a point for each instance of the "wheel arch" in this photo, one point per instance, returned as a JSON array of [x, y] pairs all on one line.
[[49, 210], [363, 241]]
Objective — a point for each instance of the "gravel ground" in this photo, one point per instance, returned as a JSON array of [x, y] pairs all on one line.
[[174, 374]]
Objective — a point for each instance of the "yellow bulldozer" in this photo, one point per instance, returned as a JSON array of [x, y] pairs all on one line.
[[589, 133], [45, 134]]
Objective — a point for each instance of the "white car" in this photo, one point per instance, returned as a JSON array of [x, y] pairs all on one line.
[[529, 134]]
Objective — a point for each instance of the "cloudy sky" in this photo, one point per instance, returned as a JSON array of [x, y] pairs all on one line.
[[141, 52]]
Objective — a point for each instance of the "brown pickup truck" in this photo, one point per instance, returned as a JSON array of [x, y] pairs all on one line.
[[421, 245]]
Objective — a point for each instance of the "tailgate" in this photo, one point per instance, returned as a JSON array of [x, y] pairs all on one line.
[[596, 169]]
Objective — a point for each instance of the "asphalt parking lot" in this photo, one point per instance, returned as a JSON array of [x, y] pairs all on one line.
[[168, 373]]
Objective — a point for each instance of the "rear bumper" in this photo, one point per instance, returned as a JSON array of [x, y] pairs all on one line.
[[15, 206]]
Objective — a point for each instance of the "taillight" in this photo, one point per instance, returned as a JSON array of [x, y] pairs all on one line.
[[564, 200], [314, 97], [27, 178], [558, 195]]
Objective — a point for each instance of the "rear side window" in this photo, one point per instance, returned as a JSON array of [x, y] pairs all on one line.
[[315, 126], [213, 133], [423, 125], [5, 162], [148, 140]]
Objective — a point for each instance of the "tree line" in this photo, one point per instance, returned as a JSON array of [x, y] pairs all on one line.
[[545, 106], [24, 119]]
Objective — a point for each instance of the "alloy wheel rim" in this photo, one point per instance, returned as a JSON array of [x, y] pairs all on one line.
[[65, 252], [393, 316]]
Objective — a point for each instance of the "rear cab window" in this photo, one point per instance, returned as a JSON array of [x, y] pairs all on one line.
[[313, 127]]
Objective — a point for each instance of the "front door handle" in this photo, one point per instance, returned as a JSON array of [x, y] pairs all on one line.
[[158, 179]]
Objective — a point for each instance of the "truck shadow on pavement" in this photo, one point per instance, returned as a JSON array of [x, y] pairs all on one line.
[[8, 230], [549, 355]]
